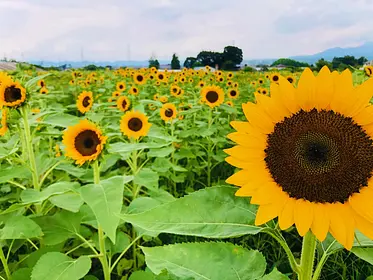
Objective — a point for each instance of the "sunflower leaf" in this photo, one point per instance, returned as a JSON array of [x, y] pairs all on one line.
[[365, 254], [208, 260], [20, 227], [212, 212]]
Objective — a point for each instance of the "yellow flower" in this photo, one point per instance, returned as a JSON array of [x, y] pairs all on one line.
[[12, 94], [212, 95], [121, 86], [123, 103], [168, 112], [306, 155], [134, 124], [233, 93], [85, 102], [139, 79]]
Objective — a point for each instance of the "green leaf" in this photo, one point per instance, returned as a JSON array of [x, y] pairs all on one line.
[[275, 275], [60, 227], [162, 152], [121, 147], [365, 254], [34, 196], [20, 227], [121, 243], [61, 120], [68, 201], [161, 165], [147, 178], [36, 79], [19, 172], [22, 274], [141, 275], [213, 213], [57, 266], [105, 200], [72, 170], [208, 260]]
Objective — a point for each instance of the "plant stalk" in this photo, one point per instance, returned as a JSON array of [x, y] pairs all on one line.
[[5, 263], [308, 256]]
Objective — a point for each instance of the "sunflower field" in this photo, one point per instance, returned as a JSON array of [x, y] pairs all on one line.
[[195, 174]]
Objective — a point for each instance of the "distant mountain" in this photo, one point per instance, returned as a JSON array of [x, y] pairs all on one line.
[[364, 50], [79, 64]]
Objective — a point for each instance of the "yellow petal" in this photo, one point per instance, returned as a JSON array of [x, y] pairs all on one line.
[[249, 141], [342, 224], [257, 117], [267, 212], [343, 87], [364, 226], [321, 222], [276, 111], [303, 216], [247, 190], [240, 178], [306, 91], [362, 94], [245, 154], [365, 116], [244, 127], [286, 218], [324, 88], [285, 94], [267, 193], [361, 203], [238, 163]]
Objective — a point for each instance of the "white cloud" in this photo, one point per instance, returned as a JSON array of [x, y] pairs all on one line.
[[58, 30]]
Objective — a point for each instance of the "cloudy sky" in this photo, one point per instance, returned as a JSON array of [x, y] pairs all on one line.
[[135, 29]]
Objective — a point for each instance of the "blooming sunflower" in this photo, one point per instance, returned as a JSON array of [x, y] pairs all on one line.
[[44, 90], [83, 142], [275, 77], [291, 79], [161, 77], [229, 103], [230, 75], [123, 103], [121, 86], [41, 83], [201, 84], [84, 102], [306, 155], [212, 96], [115, 94], [12, 94], [260, 81], [175, 90], [163, 99], [168, 112], [134, 91], [233, 93], [139, 79], [134, 124], [369, 70]]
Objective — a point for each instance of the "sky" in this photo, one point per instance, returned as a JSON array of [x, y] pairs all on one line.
[[113, 30]]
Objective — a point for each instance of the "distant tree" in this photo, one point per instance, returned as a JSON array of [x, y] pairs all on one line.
[[153, 62], [210, 58], [289, 62], [233, 54], [347, 61], [175, 62], [362, 60], [321, 63], [229, 65], [189, 62]]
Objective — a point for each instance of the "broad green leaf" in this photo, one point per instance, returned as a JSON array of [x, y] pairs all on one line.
[[33, 81], [162, 152], [147, 178], [161, 165], [34, 196], [121, 243], [22, 274], [68, 201], [364, 253], [121, 147], [105, 200], [213, 213], [20, 227], [16, 172], [209, 261], [61, 120], [72, 170], [60, 227], [141, 275], [275, 275], [34, 257], [88, 217], [57, 266]]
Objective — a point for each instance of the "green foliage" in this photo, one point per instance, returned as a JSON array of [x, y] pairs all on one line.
[[153, 62], [321, 63], [175, 62], [232, 55], [289, 62], [190, 62]]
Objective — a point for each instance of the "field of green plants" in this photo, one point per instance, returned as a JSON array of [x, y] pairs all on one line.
[[121, 174]]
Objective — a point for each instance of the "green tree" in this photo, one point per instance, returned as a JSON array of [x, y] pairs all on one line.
[[289, 62], [233, 54], [210, 58], [321, 63], [153, 62], [190, 62], [175, 62]]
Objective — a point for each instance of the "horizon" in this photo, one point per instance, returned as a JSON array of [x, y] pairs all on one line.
[[116, 31]]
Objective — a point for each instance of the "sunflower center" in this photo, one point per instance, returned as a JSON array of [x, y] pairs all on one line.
[[124, 104], [135, 124], [275, 78], [319, 156], [160, 76], [174, 90], [121, 86], [212, 96], [233, 93], [290, 80], [169, 113], [12, 94], [140, 78], [86, 142], [86, 101]]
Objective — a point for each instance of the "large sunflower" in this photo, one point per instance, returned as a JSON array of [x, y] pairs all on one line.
[[84, 102], [134, 124], [139, 79], [83, 142], [12, 94], [168, 112], [212, 96], [123, 103], [306, 155]]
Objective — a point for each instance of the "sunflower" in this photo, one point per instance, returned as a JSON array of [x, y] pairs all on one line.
[[134, 124], [115, 94], [139, 79], [12, 94], [235, 85], [72, 82], [157, 83], [182, 80], [233, 93], [212, 96], [253, 84], [220, 79], [44, 90], [264, 91], [369, 70], [201, 84], [121, 86], [230, 75], [168, 112], [151, 77], [163, 99], [41, 83], [275, 78], [123, 103], [267, 76], [229, 103], [161, 77], [306, 155], [175, 90], [83, 142], [156, 96], [134, 91], [229, 83], [291, 79], [260, 81], [84, 102]]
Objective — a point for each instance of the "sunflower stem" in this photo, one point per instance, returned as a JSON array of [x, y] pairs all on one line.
[[101, 237], [308, 256], [29, 147], [4, 263], [209, 150]]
